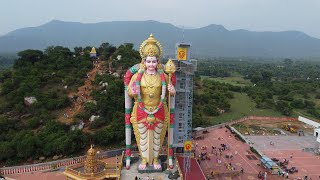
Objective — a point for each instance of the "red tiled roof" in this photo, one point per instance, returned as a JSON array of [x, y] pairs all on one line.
[[195, 170]]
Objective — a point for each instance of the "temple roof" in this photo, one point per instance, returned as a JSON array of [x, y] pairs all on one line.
[[93, 51], [91, 151]]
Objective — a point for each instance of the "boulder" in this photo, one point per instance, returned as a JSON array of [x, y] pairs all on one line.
[[55, 157]]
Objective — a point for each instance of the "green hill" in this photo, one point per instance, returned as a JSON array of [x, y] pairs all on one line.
[[29, 130]]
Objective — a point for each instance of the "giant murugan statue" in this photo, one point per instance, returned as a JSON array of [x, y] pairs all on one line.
[[149, 115]]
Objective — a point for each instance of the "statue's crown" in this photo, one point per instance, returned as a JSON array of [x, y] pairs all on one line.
[[150, 47]]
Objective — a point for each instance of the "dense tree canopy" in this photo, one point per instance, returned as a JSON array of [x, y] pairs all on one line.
[[32, 131], [29, 132]]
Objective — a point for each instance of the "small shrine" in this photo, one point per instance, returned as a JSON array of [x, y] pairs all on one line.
[[93, 52], [93, 169]]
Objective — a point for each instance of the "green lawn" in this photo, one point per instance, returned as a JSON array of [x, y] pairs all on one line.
[[242, 106], [236, 81]]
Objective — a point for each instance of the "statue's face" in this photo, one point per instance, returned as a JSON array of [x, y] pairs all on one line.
[[151, 63]]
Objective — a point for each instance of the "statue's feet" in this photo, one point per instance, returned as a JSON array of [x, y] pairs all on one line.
[[171, 166], [143, 164], [156, 164], [127, 167]]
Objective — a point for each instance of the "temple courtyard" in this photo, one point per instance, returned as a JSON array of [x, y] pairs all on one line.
[[230, 159], [237, 161]]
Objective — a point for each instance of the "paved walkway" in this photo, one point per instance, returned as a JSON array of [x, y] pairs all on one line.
[[283, 142], [284, 146], [84, 94], [237, 148]]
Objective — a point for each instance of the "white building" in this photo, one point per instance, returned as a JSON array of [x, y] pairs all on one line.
[[317, 134], [316, 126]]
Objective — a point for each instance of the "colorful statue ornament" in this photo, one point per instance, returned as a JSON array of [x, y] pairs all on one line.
[[152, 112]]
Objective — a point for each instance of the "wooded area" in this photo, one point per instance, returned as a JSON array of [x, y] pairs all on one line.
[[28, 132]]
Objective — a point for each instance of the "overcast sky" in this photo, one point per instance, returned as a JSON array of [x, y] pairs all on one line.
[[255, 15]]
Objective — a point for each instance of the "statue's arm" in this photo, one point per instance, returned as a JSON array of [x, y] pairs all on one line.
[[170, 86], [131, 86]]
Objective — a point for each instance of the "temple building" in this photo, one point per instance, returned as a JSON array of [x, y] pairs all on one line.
[[93, 52], [93, 169]]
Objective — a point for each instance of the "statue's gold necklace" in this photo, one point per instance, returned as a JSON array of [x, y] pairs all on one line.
[[150, 84], [163, 92]]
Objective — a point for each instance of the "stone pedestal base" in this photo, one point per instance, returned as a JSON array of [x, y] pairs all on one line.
[[150, 168]]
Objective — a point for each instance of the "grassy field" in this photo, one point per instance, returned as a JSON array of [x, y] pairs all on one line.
[[242, 106], [236, 81]]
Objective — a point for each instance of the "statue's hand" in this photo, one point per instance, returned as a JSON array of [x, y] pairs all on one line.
[[171, 89], [134, 89]]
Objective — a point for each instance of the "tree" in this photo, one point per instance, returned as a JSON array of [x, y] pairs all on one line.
[[6, 151], [256, 77], [266, 76], [76, 141], [309, 104], [105, 50], [103, 136], [284, 108], [87, 49], [27, 146], [33, 122], [28, 56], [210, 110], [78, 50], [297, 103], [315, 112], [288, 62], [58, 51], [4, 124]]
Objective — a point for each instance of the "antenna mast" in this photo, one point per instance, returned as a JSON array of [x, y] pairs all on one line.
[[183, 34]]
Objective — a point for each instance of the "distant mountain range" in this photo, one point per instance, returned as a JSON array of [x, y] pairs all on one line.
[[209, 41]]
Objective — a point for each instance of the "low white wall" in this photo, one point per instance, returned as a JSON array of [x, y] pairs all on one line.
[[308, 121], [247, 141]]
